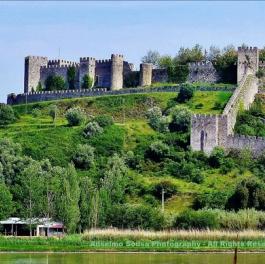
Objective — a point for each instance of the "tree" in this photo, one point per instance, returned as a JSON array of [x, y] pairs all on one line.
[[67, 198], [30, 192], [54, 82], [53, 112], [39, 87], [225, 64], [214, 53], [75, 116], [180, 119], [86, 193], [186, 55], [87, 82], [83, 156], [6, 204], [113, 187], [7, 115], [71, 72], [151, 57]]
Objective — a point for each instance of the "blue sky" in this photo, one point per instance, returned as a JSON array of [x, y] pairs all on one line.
[[131, 28]]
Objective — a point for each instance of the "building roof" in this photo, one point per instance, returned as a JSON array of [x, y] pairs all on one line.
[[45, 222]]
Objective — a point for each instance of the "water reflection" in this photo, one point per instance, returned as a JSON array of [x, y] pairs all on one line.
[[123, 258]]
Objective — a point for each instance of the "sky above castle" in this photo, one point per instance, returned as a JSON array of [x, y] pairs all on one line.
[[80, 29]]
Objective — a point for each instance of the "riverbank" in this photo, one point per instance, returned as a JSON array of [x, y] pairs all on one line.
[[140, 241]]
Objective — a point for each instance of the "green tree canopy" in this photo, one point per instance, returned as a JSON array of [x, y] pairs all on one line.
[[55, 82]]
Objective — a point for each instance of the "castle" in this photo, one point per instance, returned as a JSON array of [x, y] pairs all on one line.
[[210, 131], [207, 131], [104, 73]]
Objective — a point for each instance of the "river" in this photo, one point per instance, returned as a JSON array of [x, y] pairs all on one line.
[[128, 258]]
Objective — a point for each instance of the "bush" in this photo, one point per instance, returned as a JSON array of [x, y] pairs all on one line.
[[36, 112], [104, 120], [83, 156], [53, 112], [211, 200], [158, 151], [136, 217], [185, 94], [156, 120], [181, 117], [55, 82], [217, 157], [87, 82], [201, 219], [75, 116], [170, 189], [92, 129], [7, 115]]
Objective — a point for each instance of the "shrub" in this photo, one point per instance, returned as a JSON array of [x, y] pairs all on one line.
[[7, 115], [201, 219], [181, 117], [75, 116], [55, 82], [104, 120], [158, 151], [53, 112], [211, 200], [217, 157], [136, 216], [156, 120], [185, 94], [83, 156], [87, 82], [36, 112], [92, 129], [260, 73], [169, 188]]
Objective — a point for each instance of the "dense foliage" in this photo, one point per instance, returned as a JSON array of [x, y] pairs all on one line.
[[114, 174], [55, 82], [7, 115]]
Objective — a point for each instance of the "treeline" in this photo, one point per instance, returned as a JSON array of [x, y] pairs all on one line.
[[224, 60]]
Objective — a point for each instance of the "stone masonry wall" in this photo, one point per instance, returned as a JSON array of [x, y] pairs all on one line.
[[13, 99], [32, 71], [209, 131], [202, 72]]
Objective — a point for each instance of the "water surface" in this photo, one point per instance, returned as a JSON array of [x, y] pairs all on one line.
[[128, 258]]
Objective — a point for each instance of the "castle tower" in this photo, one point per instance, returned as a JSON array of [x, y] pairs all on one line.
[[87, 66], [247, 62], [146, 74], [32, 72], [116, 80]]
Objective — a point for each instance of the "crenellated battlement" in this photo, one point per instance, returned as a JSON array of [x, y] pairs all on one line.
[[200, 63], [116, 56], [247, 49], [103, 61], [60, 66], [86, 59], [36, 57]]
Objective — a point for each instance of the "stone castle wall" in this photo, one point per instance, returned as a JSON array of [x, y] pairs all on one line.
[[32, 71], [209, 131], [203, 72], [14, 99]]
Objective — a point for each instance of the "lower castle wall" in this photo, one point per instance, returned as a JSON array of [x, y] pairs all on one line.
[[56, 95], [255, 144]]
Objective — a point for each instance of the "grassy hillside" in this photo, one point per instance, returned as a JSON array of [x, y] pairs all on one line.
[[40, 139]]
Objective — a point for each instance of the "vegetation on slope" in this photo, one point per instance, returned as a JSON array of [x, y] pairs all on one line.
[[129, 163]]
